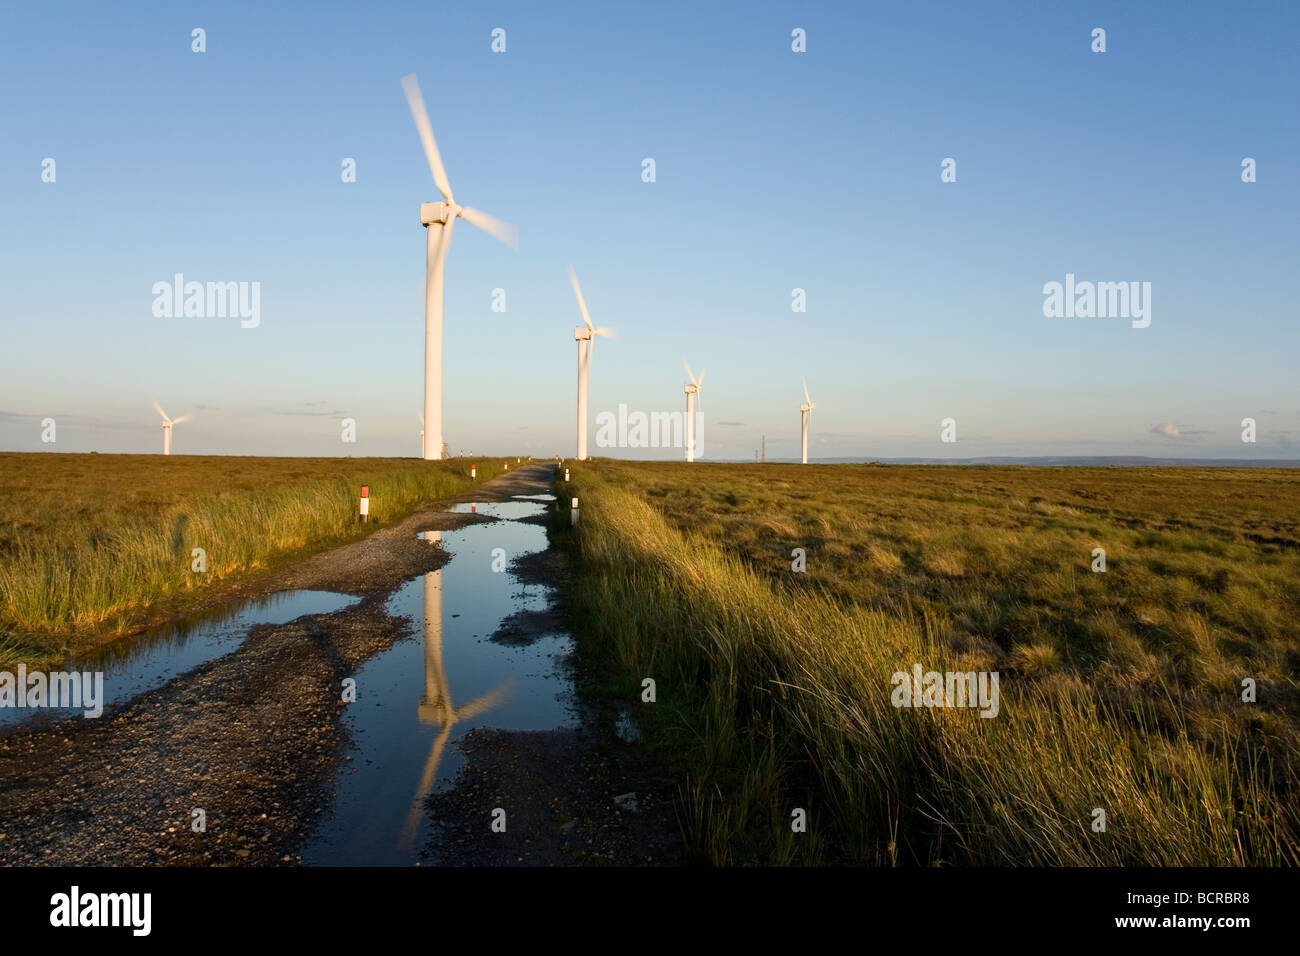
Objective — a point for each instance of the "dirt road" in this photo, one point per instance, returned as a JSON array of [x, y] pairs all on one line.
[[250, 743]]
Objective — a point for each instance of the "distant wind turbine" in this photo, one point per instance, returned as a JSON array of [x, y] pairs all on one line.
[[806, 409], [439, 217], [692, 390], [167, 424], [586, 339]]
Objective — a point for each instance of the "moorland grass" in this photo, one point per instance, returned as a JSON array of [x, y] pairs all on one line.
[[1120, 690], [93, 546]]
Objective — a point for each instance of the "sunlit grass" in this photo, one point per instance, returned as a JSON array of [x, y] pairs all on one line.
[[1120, 690], [96, 544]]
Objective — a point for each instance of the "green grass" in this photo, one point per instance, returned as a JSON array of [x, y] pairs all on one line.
[[94, 546], [1119, 691]]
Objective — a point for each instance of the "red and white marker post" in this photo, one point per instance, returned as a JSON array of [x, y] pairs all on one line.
[[364, 514], [473, 471]]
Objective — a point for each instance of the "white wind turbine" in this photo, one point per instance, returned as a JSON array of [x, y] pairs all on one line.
[[167, 424], [439, 217], [692, 390], [806, 409], [586, 339], [436, 707]]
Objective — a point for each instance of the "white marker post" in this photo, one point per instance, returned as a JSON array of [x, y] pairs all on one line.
[[505, 466], [473, 471], [566, 474], [573, 511], [365, 504]]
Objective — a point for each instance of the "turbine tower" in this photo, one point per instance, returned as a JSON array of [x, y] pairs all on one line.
[[692, 390], [167, 424], [586, 339], [438, 218], [806, 409]]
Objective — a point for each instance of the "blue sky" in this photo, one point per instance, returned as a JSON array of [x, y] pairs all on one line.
[[775, 170]]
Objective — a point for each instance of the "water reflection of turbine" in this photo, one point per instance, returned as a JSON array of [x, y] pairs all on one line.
[[435, 706]]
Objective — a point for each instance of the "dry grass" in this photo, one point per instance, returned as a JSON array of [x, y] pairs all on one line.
[[1120, 690], [96, 545]]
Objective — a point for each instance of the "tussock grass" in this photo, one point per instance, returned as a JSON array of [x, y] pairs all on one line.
[[1119, 691], [95, 545]]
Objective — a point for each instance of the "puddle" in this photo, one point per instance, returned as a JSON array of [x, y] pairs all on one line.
[[415, 700], [509, 510], [148, 660]]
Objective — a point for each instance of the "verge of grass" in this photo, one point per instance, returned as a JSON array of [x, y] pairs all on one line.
[[94, 546], [775, 695]]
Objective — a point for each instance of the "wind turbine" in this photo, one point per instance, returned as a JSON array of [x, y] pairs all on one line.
[[439, 217], [692, 390], [806, 409], [167, 424], [435, 707], [586, 339]]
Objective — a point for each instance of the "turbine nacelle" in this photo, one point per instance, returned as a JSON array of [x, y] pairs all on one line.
[[436, 212], [808, 405], [695, 384], [582, 334], [436, 712]]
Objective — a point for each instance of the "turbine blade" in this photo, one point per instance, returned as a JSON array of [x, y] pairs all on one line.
[[584, 363], [582, 303], [445, 242], [426, 784], [805, 392], [183, 418], [607, 333], [486, 702], [700, 383], [158, 409], [411, 86], [492, 226], [689, 373]]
